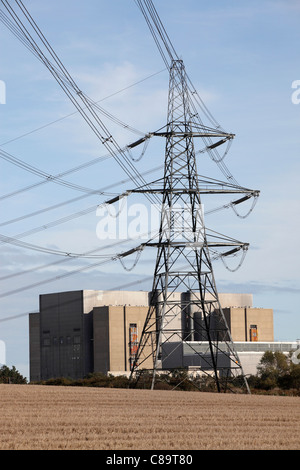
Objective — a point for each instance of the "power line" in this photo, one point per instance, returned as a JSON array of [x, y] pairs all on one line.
[[32, 47], [36, 171], [15, 240], [66, 259], [169, 54], [101, 191], [120, 287], [106, 260], [73, 92], [76, 112]]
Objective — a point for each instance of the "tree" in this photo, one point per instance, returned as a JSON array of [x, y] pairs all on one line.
[[11, 376], [276, 370], [272, 366]]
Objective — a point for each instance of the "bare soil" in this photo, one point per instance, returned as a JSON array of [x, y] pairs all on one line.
[[36, 417]]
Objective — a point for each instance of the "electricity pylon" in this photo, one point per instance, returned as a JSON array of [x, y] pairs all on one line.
[[185, 326]]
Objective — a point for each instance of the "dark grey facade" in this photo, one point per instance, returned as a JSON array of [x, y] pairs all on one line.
[[65, 337], [61, 335], [34, 346]]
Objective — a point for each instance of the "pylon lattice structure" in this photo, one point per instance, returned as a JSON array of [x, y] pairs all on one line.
[[185, 314]]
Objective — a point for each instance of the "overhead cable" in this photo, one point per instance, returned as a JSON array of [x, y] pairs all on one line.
[[73, 92], [115, 257], [169, 54], [32, 47]]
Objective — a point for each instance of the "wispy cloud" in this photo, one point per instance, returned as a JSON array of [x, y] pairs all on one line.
[[259, 287]]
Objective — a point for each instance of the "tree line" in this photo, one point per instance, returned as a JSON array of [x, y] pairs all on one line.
[[276, 373]]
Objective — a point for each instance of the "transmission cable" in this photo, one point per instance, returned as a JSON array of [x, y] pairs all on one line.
[[118, 256], [158, 31], [46, 176], [101, 191], [120, 287], [74, 94], [117, 288], [16, 239], [26, 41], [76, 112], [86, 255]]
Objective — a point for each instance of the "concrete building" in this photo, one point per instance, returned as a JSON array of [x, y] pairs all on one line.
[[76, 333], [79, 332], [115, 340], [250, 324]]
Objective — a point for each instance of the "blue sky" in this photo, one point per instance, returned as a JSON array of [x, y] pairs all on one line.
[[242, 58]]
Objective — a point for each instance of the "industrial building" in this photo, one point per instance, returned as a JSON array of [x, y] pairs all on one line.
[[79, 332]]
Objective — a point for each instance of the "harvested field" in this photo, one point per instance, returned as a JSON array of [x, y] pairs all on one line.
[[48, 417]]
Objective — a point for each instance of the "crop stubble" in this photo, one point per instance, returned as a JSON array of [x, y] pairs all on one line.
[[49, 417]]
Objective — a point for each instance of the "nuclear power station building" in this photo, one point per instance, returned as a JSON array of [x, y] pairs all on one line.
[[79, 332]]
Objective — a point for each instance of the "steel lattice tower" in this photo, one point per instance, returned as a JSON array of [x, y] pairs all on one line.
[[184, 304]]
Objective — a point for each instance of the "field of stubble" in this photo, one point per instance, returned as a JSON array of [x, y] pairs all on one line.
[[47, 418]]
